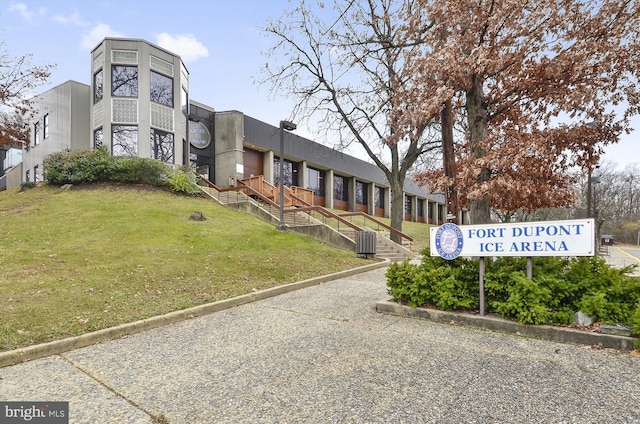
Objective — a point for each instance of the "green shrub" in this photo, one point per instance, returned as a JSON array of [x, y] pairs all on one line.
[[124, 169], [84, 166], [559, 288], [444, 284], [72, 167], [527, 301], [183, 182]]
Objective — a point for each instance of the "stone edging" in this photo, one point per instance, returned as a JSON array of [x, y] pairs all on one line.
[[545, 332], [30, 353]]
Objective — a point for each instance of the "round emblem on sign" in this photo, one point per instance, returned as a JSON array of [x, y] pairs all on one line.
[[449, 241], [199, 136]]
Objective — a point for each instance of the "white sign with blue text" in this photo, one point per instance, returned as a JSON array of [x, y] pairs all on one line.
[[543, 238]]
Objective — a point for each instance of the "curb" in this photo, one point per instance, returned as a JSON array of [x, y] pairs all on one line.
[[57, 347], [544, 332]]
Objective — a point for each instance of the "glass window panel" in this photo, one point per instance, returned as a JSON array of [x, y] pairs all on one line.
[[379, 197], [124, 56], [45, 132], [288, 172], [161, 89], [162, 146], [98, 86], [36, 133], [184, 101], [125, 140], [315, 181], [407, 204], [362, 197], [161, 65], [124, 81], [98, 138], [340, 189]]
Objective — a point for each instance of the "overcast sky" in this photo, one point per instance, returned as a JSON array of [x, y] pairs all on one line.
[[219, 40]]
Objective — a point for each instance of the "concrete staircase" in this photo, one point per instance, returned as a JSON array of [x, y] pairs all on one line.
[[385, 248], [296, 221]]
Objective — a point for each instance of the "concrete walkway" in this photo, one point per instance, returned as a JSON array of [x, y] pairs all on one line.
[[323, 355]]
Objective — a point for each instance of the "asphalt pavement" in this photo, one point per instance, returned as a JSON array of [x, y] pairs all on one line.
[[322, 354], [623, 255]]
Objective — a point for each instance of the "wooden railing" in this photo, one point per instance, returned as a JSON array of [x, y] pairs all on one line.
[[293, 196], [367, 217], [260, 189]]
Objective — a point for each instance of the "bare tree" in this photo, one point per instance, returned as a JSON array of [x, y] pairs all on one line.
[[347, 67], [18, 78]]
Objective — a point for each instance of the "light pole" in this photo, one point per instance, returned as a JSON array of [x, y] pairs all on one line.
[[289, 126]]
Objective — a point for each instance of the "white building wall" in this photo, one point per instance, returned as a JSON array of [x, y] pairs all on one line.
[[67, 110]]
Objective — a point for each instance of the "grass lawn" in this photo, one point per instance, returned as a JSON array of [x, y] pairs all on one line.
[[77, 261]]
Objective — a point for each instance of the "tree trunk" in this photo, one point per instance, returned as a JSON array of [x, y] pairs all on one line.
[[397, 207], [479, 208]]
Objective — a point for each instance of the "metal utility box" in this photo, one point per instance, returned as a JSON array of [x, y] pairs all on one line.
[[366, 242]]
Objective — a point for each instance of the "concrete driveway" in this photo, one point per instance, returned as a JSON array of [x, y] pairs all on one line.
[[323, 355]]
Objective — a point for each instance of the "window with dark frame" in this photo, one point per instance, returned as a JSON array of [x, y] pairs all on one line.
[[98, 86], [124, 140], [362, 196], [162, 146], [290, 172], [340, 188], [161, 90], [124, 81], [407, 205], [36, 133], [45, 128], [98, 138], [379, 197], [316, 181]]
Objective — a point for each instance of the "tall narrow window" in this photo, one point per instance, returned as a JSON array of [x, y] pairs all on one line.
[[45, 132], [162, 146], [125, 140], [36, 172], [161, 89], [379, 197], [290, 172], [184, 101], [98, 138], [36, 133], [98, 86], [315, 181], [362, 195], [407, 205], [124, 81], [340, 188]]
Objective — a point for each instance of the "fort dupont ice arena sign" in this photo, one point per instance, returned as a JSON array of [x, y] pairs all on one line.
[[547, 238]]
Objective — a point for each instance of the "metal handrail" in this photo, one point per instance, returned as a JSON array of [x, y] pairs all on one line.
[[380, 223]]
